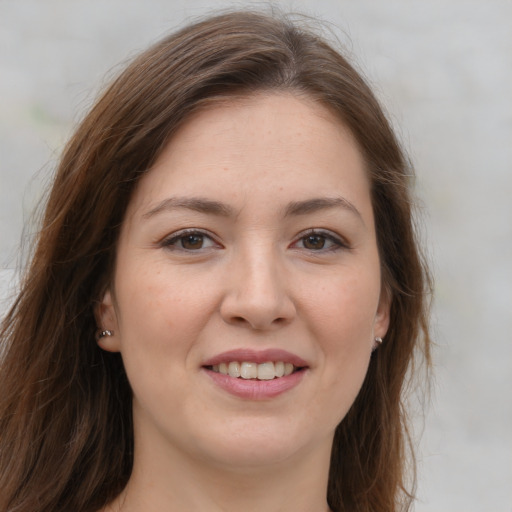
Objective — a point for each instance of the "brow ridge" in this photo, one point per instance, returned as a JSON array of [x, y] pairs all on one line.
[[208, 206], [320, 203], [198, 204]]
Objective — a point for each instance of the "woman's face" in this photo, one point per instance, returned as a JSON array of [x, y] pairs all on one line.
[[248, 248]]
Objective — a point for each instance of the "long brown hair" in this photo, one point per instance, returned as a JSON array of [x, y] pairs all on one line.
[[66, 440]]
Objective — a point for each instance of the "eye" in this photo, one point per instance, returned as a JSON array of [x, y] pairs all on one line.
[[189, 240], [314, 242], [317, 241]]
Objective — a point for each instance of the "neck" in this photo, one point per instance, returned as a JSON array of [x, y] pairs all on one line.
[[172, 482]]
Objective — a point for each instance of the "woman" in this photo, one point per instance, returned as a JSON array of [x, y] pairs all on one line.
[[226, 293]]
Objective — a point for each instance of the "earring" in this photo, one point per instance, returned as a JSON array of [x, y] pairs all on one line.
[[102, 334], [378, 343]]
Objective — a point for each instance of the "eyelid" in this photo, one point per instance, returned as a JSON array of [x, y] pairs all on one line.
[[168, 241], [339, 241]]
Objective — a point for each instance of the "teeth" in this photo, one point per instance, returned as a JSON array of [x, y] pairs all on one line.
[[234, 369], [266, 371], [249, 370]]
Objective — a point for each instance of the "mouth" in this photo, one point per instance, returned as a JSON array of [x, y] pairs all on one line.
[[256, 374], [250, 370]]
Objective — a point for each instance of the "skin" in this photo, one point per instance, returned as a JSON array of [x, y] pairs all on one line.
[[252, 276]]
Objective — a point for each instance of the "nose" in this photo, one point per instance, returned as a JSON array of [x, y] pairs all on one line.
[[257, 295]]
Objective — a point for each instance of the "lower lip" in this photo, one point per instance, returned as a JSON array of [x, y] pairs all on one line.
[[252, 389]]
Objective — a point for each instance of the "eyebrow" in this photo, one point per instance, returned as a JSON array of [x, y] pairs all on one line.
[[197, 204], [207, 206], [320, 203]]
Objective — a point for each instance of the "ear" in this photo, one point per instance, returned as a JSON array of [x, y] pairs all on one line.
[[106, 319], [382, 316]]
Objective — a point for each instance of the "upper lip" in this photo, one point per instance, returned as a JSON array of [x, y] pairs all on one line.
[[256, 356]]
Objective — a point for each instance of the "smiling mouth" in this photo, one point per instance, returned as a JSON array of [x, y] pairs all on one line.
[[253, 371]]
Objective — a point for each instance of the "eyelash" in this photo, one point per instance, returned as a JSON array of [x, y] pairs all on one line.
[[337, 242], [171, 242]]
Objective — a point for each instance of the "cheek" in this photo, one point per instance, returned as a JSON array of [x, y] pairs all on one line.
[[344, 318], [345, 308], [145, 283], [159, 311], [160, 319]]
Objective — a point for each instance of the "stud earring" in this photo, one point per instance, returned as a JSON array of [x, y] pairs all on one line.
[[102, 334], [378, 343]]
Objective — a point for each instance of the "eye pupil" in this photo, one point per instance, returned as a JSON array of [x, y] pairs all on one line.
[[314, 242], [192, 241]]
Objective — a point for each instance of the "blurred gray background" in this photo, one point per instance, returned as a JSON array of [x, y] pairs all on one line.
[[443, 70]]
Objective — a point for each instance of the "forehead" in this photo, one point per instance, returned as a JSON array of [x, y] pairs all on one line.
[[253, 145]]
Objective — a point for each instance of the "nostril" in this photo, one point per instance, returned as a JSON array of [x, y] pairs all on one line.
[[240, 321]]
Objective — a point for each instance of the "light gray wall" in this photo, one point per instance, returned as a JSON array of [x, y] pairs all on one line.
[[443, 68]]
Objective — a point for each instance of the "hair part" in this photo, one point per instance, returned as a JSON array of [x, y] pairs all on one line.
[[66, 435]]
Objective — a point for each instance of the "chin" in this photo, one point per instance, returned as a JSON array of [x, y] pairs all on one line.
[[254, 443]]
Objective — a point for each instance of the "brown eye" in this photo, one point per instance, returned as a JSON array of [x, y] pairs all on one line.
[[314, 242], [191, 242], [320, 241]]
